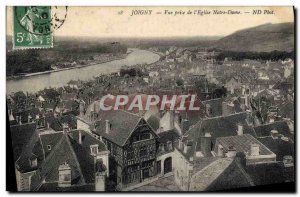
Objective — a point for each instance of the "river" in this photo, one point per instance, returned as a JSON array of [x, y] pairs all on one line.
[[35, 83]]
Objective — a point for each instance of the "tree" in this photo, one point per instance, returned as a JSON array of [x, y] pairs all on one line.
[[179, 82]]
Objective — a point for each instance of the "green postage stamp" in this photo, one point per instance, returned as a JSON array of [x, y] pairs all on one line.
[[32, 27]]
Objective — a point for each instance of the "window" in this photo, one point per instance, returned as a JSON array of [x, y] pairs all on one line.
[[130, 155], [64, 175], [145, 136], [33, 162], [94, 149], [143, 151], [142, 136], [49, 147], [82, 138]]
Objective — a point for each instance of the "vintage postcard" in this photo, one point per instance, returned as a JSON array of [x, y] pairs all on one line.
[[150, 99]]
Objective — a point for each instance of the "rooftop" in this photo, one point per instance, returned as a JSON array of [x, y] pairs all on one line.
[[242, 143], [119, 130], [21, 135], [265, 130]]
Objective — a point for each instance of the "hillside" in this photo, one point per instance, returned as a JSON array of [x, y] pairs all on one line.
[[263, 38]]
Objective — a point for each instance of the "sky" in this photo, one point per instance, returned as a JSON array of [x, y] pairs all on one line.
[[108, 22]]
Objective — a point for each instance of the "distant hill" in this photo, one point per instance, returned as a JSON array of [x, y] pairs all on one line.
[[263, 38]]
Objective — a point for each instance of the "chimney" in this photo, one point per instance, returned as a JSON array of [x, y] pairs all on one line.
[[187, 147], [20, 120], [208, 110], [274, 134], [80, 138], [65, 127], [205, 143], [81, 108], [243, 90], [169, 146], [29, 118], [178, 118], [288, 161], [185, 125], [161, 148], [172, 119], [107, 126], [254, 149], [227, 108], [249, 118], [283, 138], [11, 117], [220, 150], [180, 143], [240, 129]]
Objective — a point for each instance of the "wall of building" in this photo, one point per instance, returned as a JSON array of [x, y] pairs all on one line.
[[182, 169], [100, 182], [104, 155], [23, 180], [81, 125], [162, 159]]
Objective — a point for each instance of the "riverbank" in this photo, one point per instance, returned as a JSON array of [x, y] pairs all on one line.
[[69, 68], [33, 84], [156, 52]]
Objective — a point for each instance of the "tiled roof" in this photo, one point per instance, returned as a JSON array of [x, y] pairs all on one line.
[[190, 152], [216, 106], [21, 135], [204, 178], [166, 136], [122, 125], [66, 150], [265, 130], [54, 123], [282, 85], [85, 160], [234, 176], [270, 173], [202, 162], [242, 143], [49, 141], [287, 110], [32, 149], [279, 147], [221, 126], [153, 121], [87, 140]]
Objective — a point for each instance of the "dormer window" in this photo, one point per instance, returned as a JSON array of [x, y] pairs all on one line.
[[33, 161], [94, 149], [64, 175]]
